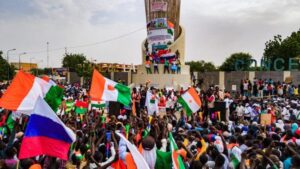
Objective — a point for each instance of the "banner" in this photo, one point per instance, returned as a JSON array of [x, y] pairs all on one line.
[[158, 23], [160, 35], [159, 6]]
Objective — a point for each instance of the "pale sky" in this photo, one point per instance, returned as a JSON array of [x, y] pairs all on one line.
[[214, 28]]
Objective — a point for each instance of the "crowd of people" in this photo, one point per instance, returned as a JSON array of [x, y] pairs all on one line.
[[267, 87], [171, 64], [204, 139]]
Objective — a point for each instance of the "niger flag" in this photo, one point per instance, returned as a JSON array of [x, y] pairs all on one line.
[[190, 101], [107, 90]]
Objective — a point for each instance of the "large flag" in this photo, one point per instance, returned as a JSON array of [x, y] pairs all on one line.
[[176, 158], [54, 97], [139, 160], [24, 90], [190, 101], [107, 90], [46, 134]]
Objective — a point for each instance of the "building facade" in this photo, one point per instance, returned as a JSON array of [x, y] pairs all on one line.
[[24, 66]]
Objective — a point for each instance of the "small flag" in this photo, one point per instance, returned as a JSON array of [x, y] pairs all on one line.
[[190, 101], [107, 90], [176, 158], [97, 104], [81, 107]]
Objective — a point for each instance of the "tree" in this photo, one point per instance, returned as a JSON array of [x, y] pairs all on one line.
[[78, 64], [38, 71], [279, 48], [241, 60], [73, 61], [201, 66], [4, 67]]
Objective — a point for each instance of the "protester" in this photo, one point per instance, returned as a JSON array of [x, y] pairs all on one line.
[[166, 132]]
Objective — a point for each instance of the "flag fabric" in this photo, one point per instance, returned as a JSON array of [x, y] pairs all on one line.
[[81, 107], [119, 164], [190, 101], [171, 32], [10, 122], [176, 158], [97, 104], [170, 25], [107, 90], [54, 97], [151, 103], [139, 160], [23, 92], [69, 106], [47, 133], [163, 160]]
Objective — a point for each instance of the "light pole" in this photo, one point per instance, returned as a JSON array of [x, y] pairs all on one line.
[[47, 54], [36, 70], [30, 63], [7, 55], [24, 53]]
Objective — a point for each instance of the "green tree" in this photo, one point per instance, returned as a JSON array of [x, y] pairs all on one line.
[[283, 48], [37, 71], [73, 61], [4, 67], [201, 66], [243, 60], [78, 63]]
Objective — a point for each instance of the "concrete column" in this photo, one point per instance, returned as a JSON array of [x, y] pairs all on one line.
[[129, 78], [286, 74], [251, 75], [112, 76], [221, 80], [81, 81], [68, 77]]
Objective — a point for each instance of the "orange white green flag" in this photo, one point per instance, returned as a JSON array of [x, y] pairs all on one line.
[[23, 92], [190, 101], [176, 158], [104, 89]]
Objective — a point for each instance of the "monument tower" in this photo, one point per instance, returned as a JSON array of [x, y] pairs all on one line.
[[165, 42]]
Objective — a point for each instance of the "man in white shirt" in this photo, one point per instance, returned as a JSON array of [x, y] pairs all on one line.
[[240, 111], [227, 101], [247, 113], [286, 113]]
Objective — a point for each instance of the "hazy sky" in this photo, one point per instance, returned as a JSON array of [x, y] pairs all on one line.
[[214, 28]]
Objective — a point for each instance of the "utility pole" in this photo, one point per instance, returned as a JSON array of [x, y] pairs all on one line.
[[66, 50], [24, 53], [7, 55], [47, 54]]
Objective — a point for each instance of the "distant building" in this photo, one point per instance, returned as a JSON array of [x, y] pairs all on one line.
[[115, 67], [25, 66]]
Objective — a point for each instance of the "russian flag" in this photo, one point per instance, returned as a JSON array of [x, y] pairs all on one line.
[[46, 134]]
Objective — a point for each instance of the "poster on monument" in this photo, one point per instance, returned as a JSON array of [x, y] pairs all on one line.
[[160, 35], [159, 6], [158, 23]]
